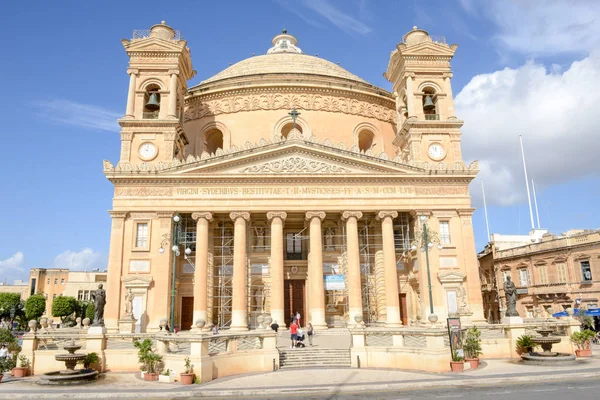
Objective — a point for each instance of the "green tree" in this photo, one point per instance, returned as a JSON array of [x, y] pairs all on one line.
[[63, 306], [90, 311], [8, 301], [6, 336], [35, 306]]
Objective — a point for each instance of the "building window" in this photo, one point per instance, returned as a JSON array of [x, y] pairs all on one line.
[[543, 274], [505, 274], [86, 295], [365, 140], [445, 232], [293, 247], [80, 295], [48, 281], [287, 128], [62, 281], [56, 281], [586, 271], [54, 296], [213, 140], [561, 273], [524, 277], [46, 296], [141, 238]]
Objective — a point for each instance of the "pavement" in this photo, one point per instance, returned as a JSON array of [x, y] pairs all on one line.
[[306, 381]]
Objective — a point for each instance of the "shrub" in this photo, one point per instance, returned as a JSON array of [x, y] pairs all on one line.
[[24, 361], [472, 344], [456, 357], [35, 306], [90, 358], [525, 344], [63, 306], [90, 311], [166, 372], [6, 336], [582, 339], [188, 365]]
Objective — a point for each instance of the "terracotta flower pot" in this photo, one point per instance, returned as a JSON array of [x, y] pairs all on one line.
[[1, 376], [583, 353], [187, 379], [150, 377], [457, 366], [473, 361], [19, 372]]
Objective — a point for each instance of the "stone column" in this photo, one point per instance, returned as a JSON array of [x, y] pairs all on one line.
[[449, 99], [277, 219], [115, 270], [173, 94], [410, 96], [353, 278], [201, 273], [392, 301], [129, 112], [316, 290], [239, 317]]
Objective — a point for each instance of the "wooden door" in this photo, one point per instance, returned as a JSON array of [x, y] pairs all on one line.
[[403, 309], [187, 313], [294, 299]]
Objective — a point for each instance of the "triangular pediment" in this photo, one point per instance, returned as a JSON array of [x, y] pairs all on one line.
[[153, 44], [452, 276], [296, 157], [429, 48]]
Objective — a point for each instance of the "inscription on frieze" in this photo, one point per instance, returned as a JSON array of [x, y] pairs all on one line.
[[369, 191]]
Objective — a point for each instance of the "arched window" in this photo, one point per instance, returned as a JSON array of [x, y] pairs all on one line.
[[213, 140], [287, 128], [151, 102], [430, 104], [365, 140]]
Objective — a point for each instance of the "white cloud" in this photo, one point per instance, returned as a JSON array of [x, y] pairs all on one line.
[[556, 113], [84, 259], [12, 263], [542, 27], [86, 116]]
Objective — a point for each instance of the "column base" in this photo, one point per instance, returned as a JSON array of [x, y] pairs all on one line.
[[127, 325], [238, 328], [393, 325], [320, 327]]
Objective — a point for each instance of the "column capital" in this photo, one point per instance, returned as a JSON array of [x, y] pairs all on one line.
[[411, 75], [381, 215], [165, 214], [447, 75], [465, 212], [276, 214], [174, 72], [315, 214], [349, 214], [234, 215], [118, 214], [133, 71], [202, 214], [418, 213]]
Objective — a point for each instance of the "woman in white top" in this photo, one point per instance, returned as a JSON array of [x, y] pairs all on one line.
[[3, 351]]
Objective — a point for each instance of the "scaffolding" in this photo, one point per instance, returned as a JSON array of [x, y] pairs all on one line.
[[258, 293], [222, 274]]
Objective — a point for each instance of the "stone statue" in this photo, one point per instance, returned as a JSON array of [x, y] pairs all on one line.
[[129, 303], [462, 299], [260, 299], [259, 235], [511, 298], [99, 296], [329, 234]]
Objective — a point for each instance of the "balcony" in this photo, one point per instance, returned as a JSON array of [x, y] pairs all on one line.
[[432, 117]]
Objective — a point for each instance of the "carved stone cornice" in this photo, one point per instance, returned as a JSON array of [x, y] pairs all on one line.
[[174, 71], [142, 215], [315, 214], [234, 215], [118, 214], [202, 214], [381, 215], [465, 212], [352, 214], [164, 214], [134, 71], [276, 214]]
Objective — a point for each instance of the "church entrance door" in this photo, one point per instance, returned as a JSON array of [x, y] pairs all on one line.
[[294, 299], [187, 313], [403, 309]]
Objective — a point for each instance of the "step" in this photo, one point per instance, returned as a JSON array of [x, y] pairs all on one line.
[[309, 357]]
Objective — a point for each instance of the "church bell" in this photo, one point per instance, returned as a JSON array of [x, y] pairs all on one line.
[[153, 103], [428, 104]]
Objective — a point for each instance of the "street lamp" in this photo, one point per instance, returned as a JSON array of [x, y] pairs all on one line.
[[174, 239], [425, 239]]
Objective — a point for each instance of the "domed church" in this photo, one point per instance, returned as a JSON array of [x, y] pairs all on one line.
[[287, 185]]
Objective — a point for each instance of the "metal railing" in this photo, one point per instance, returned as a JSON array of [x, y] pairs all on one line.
[[146, 33]]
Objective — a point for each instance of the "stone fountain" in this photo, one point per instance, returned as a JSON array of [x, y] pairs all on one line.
[[69, 376], [547, 356]]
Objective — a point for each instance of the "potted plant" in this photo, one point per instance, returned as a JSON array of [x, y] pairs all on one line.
[[525, 344], [144, 347], [458, 362], [90, 358], [472, 346], [187, 377], [582, 341], [151, 360], [166, 377], [19, 372]]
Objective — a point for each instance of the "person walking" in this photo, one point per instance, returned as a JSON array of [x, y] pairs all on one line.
[[310, 332], [294, 332], [3, 351], [275, 326], [298, 318]]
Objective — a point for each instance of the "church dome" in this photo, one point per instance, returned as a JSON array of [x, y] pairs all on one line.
[[284, 63]]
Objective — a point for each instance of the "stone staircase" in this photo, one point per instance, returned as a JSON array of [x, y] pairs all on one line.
[[311, 357]]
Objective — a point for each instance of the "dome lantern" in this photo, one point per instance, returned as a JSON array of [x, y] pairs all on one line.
[[284, 43]]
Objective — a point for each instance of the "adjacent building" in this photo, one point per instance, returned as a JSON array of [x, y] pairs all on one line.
[[20, 287], [287, 184], [551, 272]]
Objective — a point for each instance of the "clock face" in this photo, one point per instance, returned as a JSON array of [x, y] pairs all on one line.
[[147, 151], [436, 151]]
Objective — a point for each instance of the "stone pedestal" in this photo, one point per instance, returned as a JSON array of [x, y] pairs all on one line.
[[126, 325], [96, 330], [512, 320]]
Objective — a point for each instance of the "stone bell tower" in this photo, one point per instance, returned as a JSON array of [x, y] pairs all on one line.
[[159, 67], [419, 70]]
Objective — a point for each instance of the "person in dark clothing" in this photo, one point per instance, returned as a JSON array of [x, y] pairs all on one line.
[[275, 326]]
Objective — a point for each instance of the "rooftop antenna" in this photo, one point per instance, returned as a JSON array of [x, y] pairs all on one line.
[[487, 222], [537, 214], [527, 183]]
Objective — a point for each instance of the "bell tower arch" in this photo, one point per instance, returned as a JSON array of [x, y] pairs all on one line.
[[160, 65], [419, 70]]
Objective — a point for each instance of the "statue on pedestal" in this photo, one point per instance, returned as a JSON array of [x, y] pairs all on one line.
[[260, 300], [259, 235], [511, 298], [329, 234], [129, 296], [99, 297]]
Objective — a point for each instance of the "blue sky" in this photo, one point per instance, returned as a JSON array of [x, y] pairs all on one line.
[[522, 67]]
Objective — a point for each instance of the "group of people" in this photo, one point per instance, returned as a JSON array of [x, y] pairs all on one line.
[[297, 334]]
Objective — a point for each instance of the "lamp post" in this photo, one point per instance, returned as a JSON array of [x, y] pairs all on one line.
[[173, 241], [425, 239]]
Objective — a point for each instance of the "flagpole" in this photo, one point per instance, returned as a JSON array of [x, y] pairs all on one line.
[[537, 214], [527, 183], [487, 223]]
